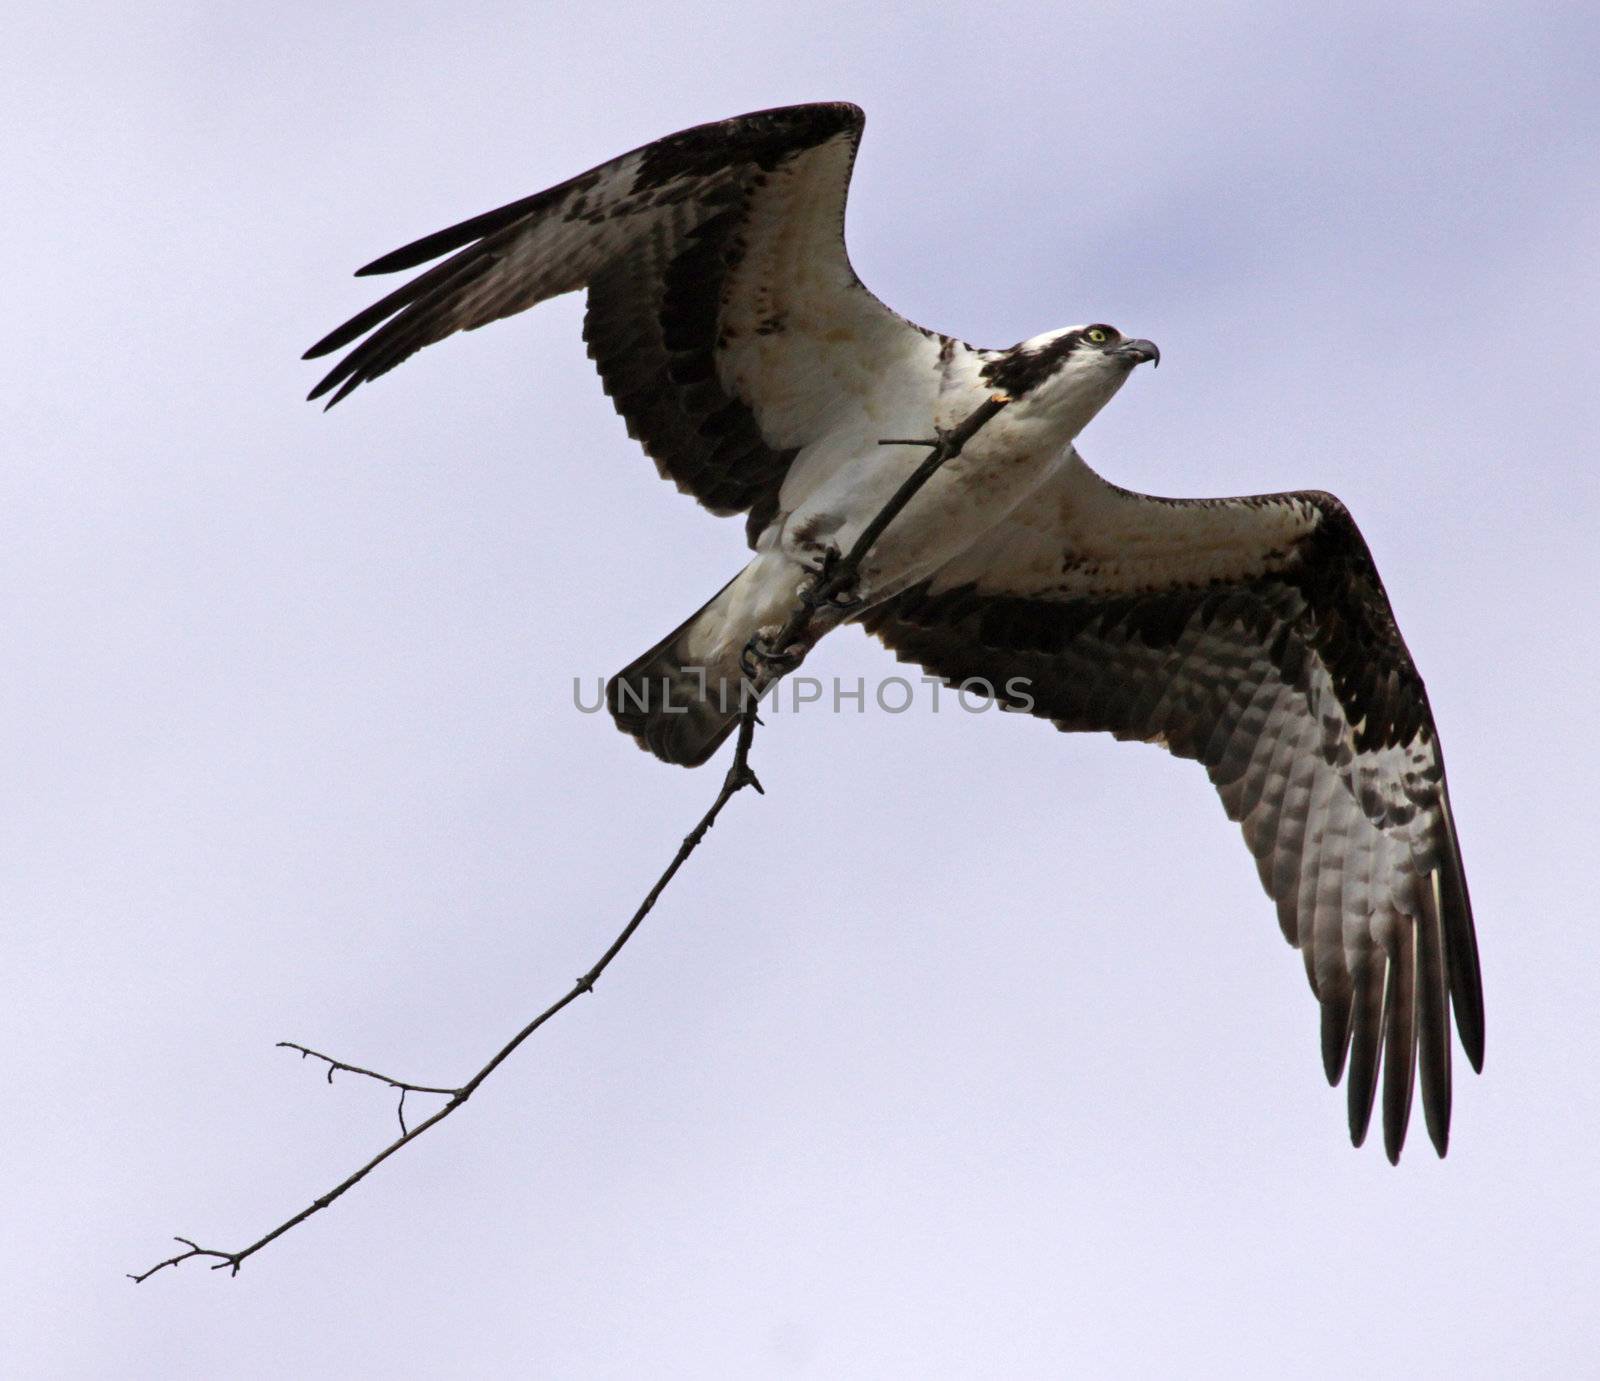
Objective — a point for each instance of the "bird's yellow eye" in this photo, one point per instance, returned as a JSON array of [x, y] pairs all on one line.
[[1097, 335]]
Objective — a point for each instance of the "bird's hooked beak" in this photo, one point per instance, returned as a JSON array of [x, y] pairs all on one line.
[[1138, 351]]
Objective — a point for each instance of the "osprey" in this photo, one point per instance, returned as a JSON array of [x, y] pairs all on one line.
[[1252, 634]]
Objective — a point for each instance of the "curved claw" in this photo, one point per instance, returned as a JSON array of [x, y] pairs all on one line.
[[756, 658], [814, 598]]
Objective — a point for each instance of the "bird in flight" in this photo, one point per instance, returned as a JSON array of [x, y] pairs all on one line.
[[1251, 634]]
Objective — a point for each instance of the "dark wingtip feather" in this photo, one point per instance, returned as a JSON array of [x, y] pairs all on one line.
[[342, 372], [409, 256], [441, 242], [328, 344], [1433, 1024], [348, 331], [1336, 1037], [434, 284], [393, 262], [349, 385], [1360, 1112], [379, 311], [1366, 1043], [1400, 1041], [1460, 942]]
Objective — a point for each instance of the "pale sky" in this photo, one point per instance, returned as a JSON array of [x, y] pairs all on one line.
[[972, 1049]]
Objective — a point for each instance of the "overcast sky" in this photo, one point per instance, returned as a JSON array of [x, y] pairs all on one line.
[[971, 1049]]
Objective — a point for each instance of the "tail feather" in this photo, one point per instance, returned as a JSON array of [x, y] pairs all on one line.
[[683, 697]]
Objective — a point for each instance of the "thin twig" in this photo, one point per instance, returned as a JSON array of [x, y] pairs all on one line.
[[400, 1084], [837, 577], [334, 1065]]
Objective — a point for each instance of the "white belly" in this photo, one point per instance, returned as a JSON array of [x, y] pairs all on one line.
[[966, 498]]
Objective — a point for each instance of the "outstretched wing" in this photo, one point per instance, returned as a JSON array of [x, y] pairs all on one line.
[[726, 321], [1255, 636]]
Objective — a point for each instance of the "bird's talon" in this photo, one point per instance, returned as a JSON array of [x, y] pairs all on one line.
[[814, 592], [758, 659]]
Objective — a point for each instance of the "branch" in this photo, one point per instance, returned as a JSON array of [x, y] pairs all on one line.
[[836, 579], [334, 1065]]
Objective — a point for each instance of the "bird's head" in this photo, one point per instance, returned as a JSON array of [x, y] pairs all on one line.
[[1069, 374]]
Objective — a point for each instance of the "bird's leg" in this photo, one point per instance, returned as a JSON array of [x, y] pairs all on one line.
[[831, 585]]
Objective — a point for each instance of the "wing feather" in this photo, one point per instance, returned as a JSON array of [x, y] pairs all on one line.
[[1400, 1038], [1255, 636], [1366, 1039], [1433, 1016], [1335, 1031], [723, 315]]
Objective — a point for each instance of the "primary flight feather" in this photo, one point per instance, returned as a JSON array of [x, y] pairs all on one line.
[[1252, 634]]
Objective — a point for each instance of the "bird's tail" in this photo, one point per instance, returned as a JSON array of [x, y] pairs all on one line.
[[681, 699]]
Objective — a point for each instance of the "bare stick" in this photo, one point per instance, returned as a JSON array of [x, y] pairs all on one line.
[[738, 777], [336, 1065], [836, 578]]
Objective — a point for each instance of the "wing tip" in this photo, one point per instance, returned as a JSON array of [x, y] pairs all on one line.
[[1360, 1121], [1336, 1026], [396, 260], [1361, 1095], [336, 377], [326, 346], [1462, 965], [1469, 1021]]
